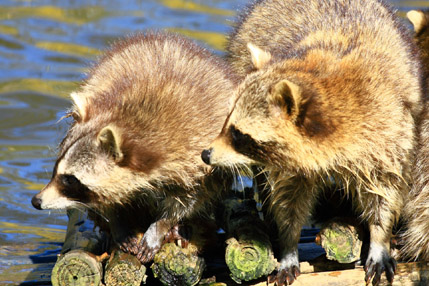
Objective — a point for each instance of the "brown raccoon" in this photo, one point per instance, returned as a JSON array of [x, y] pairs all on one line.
[[415, 238], [132, 153], [331, 95]]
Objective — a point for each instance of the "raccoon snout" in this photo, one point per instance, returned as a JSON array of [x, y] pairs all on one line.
[[36, 202], [205, 155]]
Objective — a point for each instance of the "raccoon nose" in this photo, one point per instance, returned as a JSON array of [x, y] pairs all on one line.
[[205, 155], [36, 202]]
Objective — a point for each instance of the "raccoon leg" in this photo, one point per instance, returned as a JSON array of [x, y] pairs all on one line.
[[152, 240], [379, 259], [381, 214], [290, 205], [125, 235]]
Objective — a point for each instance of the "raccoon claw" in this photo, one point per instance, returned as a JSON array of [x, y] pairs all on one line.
[[374, 270], [146, 253], [174, 235], [284, 276], [130, 245]]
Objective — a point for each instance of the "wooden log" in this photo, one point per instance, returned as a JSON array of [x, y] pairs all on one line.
[[249, 258], [124, 269], [342, 240], [174, 265], [77, 267], [78, 263], [249, 252]]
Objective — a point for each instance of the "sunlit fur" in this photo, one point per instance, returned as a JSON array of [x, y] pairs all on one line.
[[333, 96], [416, 240], [141, 119]]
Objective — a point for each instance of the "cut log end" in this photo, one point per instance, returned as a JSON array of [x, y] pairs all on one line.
[[77, 268], [342, 240], [249, 259], [124, 269], [174, 265]]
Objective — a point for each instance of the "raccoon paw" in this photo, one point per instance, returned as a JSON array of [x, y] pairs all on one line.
[[177, 234], [285, 276], [151, 242], [288, 269], [379, 261], [147, 250], [130, 245]]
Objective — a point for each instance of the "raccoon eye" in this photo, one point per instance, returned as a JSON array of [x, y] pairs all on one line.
[[69, 180], [238, 138], [75, 116]]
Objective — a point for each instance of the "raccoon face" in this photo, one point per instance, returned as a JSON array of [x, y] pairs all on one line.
[[88, 171], [265, 108], [76, 166], [252, 134]]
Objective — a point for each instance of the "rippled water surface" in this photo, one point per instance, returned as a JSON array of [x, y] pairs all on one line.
[[45, 49]]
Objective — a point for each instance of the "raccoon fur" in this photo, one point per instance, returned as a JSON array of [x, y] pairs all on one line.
[[330, 95], [420, 21], [415, 238], [141, 119]]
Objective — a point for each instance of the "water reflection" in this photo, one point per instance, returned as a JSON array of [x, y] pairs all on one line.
[[46, 46]]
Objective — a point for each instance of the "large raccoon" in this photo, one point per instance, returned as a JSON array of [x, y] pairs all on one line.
[[132, 153], [415, 238], [331, 96]]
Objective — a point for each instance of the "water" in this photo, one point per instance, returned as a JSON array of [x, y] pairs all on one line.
[[46, 47]]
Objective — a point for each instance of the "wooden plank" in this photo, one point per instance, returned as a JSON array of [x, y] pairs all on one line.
[[408, 274]]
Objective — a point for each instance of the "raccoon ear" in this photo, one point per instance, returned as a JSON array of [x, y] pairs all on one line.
[[259, 57], [80, 103], [417, 18], [287, 97], [109, 139]]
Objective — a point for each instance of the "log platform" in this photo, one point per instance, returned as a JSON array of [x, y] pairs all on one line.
[[318, 271], [81, 261]]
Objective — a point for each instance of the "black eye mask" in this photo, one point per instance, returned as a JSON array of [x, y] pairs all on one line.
[[72, 188]]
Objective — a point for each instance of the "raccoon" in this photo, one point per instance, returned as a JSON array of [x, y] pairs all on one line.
[[330, 95], [132, 153], [414, 239]]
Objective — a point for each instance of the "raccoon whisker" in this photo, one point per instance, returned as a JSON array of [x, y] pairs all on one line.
[[87, 207], [56, 211], [230, 167], [241, 182], [68, 114], [246, 170], [237, 176], [80, 208]]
